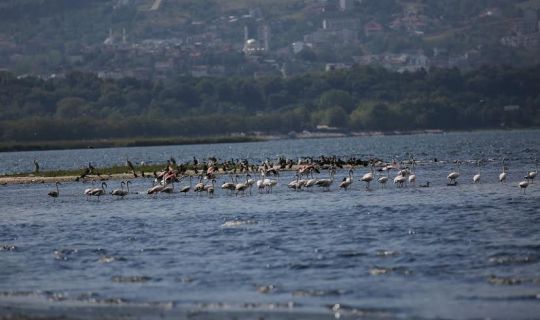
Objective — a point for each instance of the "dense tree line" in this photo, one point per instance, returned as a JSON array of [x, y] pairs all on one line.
[[83, 106]]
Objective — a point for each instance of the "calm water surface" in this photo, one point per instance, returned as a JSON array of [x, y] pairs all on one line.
[[463, 252]]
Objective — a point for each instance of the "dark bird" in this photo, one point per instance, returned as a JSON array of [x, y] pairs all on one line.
[[84, 173], [425, 185], [55, 193], [121, 192], [131, 167], [98, 192], [36, 165]]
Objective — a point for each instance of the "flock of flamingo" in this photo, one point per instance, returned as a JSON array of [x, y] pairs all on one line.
[[306, 177]]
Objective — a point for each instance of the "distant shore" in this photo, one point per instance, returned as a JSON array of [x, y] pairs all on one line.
[[8, 146], [12, 146], [105, 174]]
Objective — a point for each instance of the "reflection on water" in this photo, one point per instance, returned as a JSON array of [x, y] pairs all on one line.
[[467, 251]]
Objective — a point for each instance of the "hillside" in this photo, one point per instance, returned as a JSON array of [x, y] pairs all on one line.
[[158, 39]]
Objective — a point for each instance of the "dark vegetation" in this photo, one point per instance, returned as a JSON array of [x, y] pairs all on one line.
[[83, 106]]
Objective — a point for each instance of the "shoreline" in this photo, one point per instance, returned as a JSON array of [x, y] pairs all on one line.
[[107, 175], [170, 141], [121, 143]]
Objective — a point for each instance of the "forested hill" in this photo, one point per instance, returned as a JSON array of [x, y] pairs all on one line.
[[83, 106]]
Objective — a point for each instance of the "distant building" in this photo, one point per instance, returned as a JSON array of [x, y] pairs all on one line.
[[522, 40], [341, 24], [345, 5], [332, 38], [373, 28], [253, 47], [298, 46], [336, 66]]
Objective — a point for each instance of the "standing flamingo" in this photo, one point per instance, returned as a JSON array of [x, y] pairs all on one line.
[[155, 189], [368, 177], [523, 185], [532, 174], [121, 192], [346, 183], [326, 183], [55, 193], [98, 192], [476, 177], [185, 189], [452, 176], [502, 176]]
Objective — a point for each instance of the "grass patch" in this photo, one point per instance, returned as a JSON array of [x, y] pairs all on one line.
[[118, 143]]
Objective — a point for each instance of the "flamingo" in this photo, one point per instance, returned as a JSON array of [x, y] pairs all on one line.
[[412, 174], [241, 187], [452, 176], [98, 192], [260, 183], [168, 187], [346, 183], [523, 185], [368, 177], [250, 182], [209, 188], [155, 189], [326, 183], [309, 182], [476, 177], [231, 186], [121, 192], [55, 193], [502, 176], [400, 179], [384, 179], [269, 184], [88, 190], [185, 189], [295, 184], [532, 174], [199, 187]]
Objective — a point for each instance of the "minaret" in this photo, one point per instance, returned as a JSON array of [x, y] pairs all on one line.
[[246, 33], [266, 35]]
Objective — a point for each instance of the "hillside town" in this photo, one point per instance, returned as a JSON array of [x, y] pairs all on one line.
[[329, 35]]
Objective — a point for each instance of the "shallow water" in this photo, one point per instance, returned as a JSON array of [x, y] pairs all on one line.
[[469, 251]]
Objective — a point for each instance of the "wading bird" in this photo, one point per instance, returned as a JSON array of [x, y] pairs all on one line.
[[55, 193], [346, 183], [523, 185], [131, 167], [368, 177], [98, 192], [326, 183], [502, 176], [121, 192], [452, 176], [476, 177], [36, 167], [532, 174], [185, 189], [154, 189]]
